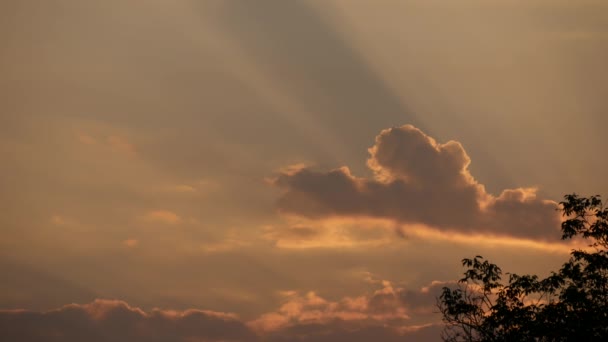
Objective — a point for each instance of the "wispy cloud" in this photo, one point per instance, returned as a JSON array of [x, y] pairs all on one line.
[[162, 216], [121, 144]]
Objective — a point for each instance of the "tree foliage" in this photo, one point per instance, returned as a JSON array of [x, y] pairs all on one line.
[[571, 304]]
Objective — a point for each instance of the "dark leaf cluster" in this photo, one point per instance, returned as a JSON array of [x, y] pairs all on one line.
[[571, 304]]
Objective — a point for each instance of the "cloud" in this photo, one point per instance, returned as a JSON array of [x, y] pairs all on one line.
[[331, 233], [58, 220], [384, 306], [112, 320], [229, 243], [162, 216], [417, 181], [86, 139], [181, 188], [381, 315], [131, 243], [117, 143], [193, 187], [121, 144]]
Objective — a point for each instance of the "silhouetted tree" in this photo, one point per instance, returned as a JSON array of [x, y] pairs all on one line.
[[569, 305]]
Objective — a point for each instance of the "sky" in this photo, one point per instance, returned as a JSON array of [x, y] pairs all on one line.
[[284, 170]]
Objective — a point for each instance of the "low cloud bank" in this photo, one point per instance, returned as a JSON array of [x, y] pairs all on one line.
[[381, 315]]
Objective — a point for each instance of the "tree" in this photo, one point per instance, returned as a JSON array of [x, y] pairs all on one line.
[[569, 305]]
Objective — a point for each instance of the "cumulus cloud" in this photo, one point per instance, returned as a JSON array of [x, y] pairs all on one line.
[[381, 315], [383, 306], [417, 181]]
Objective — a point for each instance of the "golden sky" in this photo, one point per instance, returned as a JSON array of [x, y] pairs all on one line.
[[270, 170]]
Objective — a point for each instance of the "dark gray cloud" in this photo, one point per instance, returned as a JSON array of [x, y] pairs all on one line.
[[302, 318], [418, 180], [105, 320]]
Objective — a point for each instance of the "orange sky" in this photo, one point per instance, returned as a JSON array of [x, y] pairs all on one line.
[[259, 170]]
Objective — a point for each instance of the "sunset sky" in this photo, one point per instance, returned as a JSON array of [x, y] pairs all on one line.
[[284, 170]]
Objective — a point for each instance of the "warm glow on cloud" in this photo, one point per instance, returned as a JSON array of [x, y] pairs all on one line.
[[86, 139], [58, 220], [418, 181], [388, 307], [230, 243], [131, 243], [308, 316], [162, 216], [332, 233], [371, 232], [422, 232], [181, 189], [121, 144], [256, 158], [118, 143]]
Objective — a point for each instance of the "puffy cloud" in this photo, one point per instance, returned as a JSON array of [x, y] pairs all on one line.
[[417, 181], [381, 307], [381, 315], [384, 306]]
